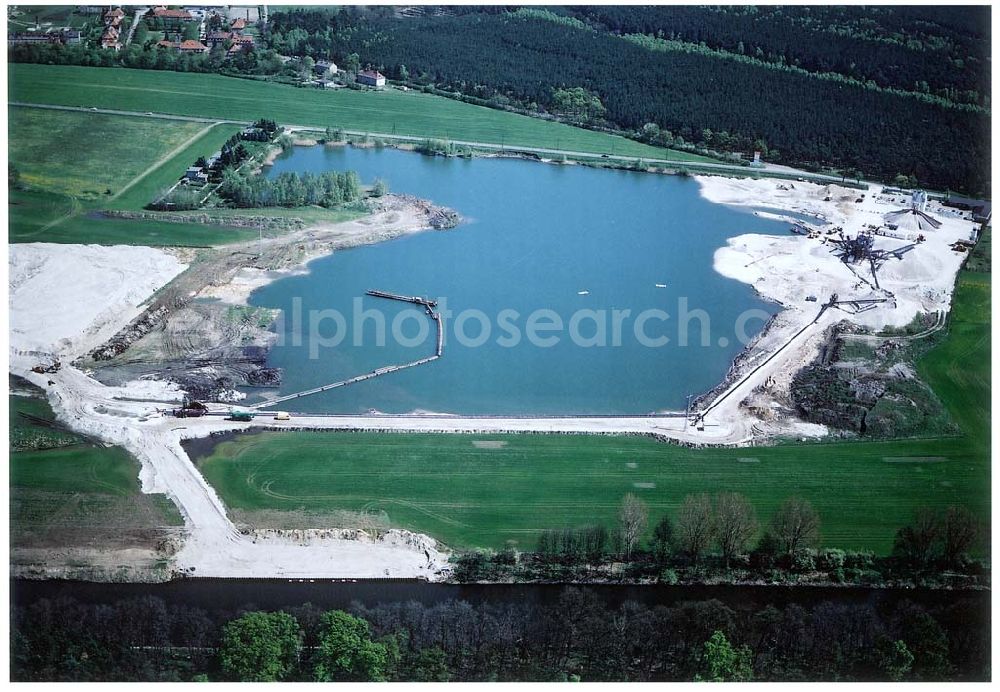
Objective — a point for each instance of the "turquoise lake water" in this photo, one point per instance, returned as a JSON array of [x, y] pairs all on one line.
[[579, 242]]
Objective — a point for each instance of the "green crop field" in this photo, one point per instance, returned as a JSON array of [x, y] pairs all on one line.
[[65, 490], [31, 213], [485, 490], [474, 495], [85, 154], [958, 369], [156, 181], [389, 111], [69, 160]]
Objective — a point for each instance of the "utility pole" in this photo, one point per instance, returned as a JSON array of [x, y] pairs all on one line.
[[687, 411]]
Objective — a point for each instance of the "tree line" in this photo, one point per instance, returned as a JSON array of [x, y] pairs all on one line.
[[327, 189], [574, 635], [149, 56], [721, 537]]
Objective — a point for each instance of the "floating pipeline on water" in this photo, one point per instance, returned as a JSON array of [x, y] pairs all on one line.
[[429, 306]]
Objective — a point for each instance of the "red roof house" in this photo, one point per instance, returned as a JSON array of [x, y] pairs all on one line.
[[191, 46]]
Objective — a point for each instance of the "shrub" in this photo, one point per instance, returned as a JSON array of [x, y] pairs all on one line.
[[870, 577], [859, 559], [831, 559], [803, 561], [669, 577]]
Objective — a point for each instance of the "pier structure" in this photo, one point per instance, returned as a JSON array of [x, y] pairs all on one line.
[[428, 305]]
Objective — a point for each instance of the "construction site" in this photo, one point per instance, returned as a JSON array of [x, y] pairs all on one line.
[[122, 367], [867, 249]]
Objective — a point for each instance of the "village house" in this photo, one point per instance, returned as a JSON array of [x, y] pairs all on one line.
[[325, 67], [171, 18], [241, 43], [196, 175], [239, 25], [371, 78], [109, 39], [216, 38], [192, 46]]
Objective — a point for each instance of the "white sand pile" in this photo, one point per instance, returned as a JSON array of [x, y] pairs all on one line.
[[802, 273], [68, 299], [789, 268]]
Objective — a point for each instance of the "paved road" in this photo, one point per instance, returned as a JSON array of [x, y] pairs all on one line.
[[781, 171]]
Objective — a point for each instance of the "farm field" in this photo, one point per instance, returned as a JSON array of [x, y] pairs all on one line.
[[143, 191], [68, 160], [958, 369], [30, 213], [50, 16], [467, 493], [482, 491], [85, 154], [389, 111], [65, 490]]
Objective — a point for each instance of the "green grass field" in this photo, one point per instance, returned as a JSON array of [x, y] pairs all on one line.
[[470, 494], [157, 181], [958, 369], [31, 211], [467, 496], [389, 111], [85, 154], [68, 161], [65, 490]]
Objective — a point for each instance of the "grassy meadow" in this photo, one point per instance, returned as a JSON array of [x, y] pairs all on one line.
[[390, 111], [86, 154], [69, 161], [470, 494]]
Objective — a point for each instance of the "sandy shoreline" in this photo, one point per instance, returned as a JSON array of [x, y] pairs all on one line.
[[753, 406]]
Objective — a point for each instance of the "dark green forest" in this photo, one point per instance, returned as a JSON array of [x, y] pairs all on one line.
[[900, 91], [940, 50], [575, 636]]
